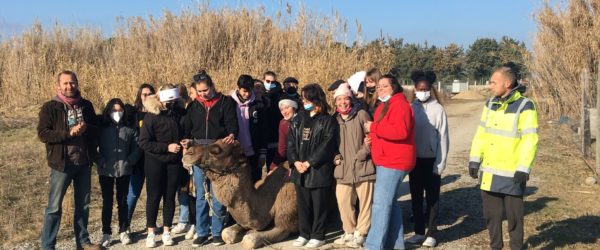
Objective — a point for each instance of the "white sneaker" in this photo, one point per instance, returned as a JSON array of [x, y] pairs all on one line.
[[430, 242], [105, 240], [344, 239], [357, 242], [191, 233], [125, 238], [301, 241], [179, 228], [166, 239], [314, 243], [416, 239], [150, 242]]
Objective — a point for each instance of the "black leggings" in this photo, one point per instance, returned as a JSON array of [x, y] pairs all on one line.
[[107, 186], [162, 181], [422, 179]]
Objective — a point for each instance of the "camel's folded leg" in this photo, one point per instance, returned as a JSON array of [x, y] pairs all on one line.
[[233, 234], [259, 239]]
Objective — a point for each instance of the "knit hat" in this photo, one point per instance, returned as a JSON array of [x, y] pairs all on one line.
[[342, 90], [356, 79], [289, 103]]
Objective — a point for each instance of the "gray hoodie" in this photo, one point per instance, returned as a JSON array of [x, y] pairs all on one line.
[[431, 132]]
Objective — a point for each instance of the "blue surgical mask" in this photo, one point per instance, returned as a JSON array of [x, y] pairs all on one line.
[[308, 107], [269, 86], [384, 98]]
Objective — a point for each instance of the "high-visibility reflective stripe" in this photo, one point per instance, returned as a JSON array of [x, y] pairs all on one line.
[[511, 134], [514, 133], [505, 173], [475, 159], [529, 131], [523, 169]]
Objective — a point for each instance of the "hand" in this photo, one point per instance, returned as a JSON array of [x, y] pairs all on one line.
[[74, 130], [262, 159], [229, 139], [300, 167], [338, 162], [520, 177], [306, 165], [82, 128], [174, 148], [186, 143], [367, 141], [368, 127]]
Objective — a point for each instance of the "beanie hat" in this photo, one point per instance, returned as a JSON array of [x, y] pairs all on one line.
[[342, 90], [334, 85], [290, 79], [356, 79], [289, 103]]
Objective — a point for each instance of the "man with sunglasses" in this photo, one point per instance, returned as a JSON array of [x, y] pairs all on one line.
[[274, 94]]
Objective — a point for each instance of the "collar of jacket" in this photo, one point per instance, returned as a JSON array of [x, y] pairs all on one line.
[[514, 95]]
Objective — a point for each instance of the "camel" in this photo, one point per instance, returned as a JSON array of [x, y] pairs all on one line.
[[265, 212]]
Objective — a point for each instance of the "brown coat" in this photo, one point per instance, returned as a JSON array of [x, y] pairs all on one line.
[[357, 165]]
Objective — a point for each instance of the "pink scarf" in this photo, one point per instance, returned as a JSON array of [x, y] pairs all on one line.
[[69, 100]]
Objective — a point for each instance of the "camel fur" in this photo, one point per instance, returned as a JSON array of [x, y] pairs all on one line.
[[265, 213]]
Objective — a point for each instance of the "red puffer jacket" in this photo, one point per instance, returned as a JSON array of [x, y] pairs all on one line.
[[393, 137]]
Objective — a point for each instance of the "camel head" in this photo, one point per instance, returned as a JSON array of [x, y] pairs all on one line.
[[219, 157]]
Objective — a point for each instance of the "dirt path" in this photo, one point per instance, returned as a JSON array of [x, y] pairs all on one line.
[[555, 215]]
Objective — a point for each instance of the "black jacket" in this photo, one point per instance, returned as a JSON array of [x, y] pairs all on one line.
[[54, 132], [214, 123], [258, 122], [160, 130], [274, 96], [321, 151]]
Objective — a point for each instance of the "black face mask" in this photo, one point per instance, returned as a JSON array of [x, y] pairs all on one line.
[[291, 90], [371, 90], [170, 105]]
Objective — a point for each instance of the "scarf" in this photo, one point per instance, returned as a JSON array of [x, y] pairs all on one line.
[[72, 101]]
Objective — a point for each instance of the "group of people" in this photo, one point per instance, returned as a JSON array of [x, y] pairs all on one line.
[[356, 154]]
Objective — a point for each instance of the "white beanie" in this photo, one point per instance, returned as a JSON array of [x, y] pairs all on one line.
[[289, 103], [356, 79], [342, 90]]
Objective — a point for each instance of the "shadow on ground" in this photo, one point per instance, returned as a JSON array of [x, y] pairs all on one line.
[[568, 232]]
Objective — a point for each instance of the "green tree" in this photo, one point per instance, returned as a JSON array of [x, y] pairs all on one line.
[[514, 51], [448, 63], [481, 58]]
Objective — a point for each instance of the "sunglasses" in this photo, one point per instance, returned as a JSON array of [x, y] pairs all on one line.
[[268, 81]]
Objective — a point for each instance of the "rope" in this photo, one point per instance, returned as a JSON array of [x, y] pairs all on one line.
[[208, 199]]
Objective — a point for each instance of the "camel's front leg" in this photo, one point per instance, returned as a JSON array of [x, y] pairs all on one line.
[[233, 234], [259, 239]]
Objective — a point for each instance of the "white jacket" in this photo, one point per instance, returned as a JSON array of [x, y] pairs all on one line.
[[431, 132]]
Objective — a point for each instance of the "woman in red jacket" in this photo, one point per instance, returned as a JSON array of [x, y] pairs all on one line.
[[393, 151]]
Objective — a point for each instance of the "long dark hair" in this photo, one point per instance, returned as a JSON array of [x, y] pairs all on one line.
[[396, 87], [202, 77], [315, 94], [373, 74], [137, 104]]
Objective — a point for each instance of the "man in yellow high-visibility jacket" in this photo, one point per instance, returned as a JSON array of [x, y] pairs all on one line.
[[502, 154]]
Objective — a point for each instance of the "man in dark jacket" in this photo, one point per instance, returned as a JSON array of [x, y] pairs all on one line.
[[274, 93], [67, 125]]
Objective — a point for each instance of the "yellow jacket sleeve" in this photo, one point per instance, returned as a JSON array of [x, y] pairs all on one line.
[[527, 147], [476, 155]]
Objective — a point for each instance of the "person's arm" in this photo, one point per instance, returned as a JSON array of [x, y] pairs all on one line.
[[527, 148], [396, 124], [230, 116], [444, 142], [476, 154], [292, 151], [46, 130], [147, 141], [135, 153], [364, 153], [280, 155], [327, 147]]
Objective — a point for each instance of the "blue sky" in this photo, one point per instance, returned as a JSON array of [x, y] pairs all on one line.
[[438, 22]]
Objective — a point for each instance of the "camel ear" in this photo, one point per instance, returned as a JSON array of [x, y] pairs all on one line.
[[215, 149]]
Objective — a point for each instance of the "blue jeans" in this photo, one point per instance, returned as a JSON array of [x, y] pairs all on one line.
[[184, 206], [386, 216], [59, 182], [136, 182], [203, 224]]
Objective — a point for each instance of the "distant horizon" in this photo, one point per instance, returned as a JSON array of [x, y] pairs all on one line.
[[435, 23]]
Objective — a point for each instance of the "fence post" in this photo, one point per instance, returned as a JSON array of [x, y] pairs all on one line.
[[585, 115]]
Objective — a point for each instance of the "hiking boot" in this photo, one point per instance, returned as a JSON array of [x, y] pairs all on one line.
[[344, 239]]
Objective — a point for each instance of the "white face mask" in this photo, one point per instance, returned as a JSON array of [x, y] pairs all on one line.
[[423, 95], [116, 116], [384, 98]]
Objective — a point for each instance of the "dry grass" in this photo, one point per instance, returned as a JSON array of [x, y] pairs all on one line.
[[171, 48], [568, 40]]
